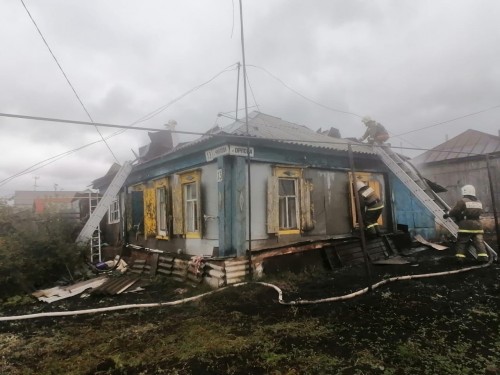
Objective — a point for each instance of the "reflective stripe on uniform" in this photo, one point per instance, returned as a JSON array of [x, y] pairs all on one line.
[[375, 208], [371, 225], [470, 231], [482, 255], [460, 255]]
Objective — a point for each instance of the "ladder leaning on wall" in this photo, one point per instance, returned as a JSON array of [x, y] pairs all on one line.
[[412, 179], [91, 231], [95, 239]]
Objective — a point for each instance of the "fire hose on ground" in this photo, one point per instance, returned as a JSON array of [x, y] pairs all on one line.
[[276, 288]]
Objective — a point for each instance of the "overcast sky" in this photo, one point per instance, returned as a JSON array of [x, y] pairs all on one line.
[[408, 64]]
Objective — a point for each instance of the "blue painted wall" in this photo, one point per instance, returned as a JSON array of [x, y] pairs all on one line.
[[409, 211]]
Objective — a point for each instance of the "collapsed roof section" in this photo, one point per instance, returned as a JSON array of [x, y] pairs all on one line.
[[260, 127]]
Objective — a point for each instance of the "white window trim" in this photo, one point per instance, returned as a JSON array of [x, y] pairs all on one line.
[[114, 212], [191, 205], [161, 190], [287, 208]]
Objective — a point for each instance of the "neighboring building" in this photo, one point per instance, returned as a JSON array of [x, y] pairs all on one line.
[[461, 161], [63, 206], [44, 201], [193, 199]]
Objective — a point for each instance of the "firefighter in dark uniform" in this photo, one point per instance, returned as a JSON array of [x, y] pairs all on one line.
[[375, 132], [466, 214], [371, 208]]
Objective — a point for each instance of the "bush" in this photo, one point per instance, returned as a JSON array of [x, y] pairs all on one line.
[[35, 250]]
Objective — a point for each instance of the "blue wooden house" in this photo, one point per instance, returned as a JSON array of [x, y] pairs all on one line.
[[270, 186]]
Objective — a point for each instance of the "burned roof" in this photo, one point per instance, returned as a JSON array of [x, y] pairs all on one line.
[[273, 128], [467, 144]]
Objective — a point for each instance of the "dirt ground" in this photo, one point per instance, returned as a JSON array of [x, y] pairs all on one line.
[[438, 325]]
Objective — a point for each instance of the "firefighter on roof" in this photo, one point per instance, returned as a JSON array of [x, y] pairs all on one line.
[[371, 207], [375, 132], [466, 214]]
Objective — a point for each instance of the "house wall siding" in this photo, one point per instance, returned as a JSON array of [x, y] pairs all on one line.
[[453, 175], [225, 208], [409, 211]]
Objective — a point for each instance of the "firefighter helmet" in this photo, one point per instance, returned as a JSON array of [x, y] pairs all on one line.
[[366, 120], [359, 185], [469, 190]]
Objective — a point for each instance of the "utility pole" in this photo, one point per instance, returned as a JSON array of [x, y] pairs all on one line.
[[493, 200], [237, 92], [35, 185], [248, 141]]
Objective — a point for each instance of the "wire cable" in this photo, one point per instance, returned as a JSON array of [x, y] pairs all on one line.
[[253, 95], [453, 119], [334, 141], [45, 162], [66, 77], [142, 119], [165, 106], [303, 96]]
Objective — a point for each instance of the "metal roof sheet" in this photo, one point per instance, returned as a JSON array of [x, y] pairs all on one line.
[[262, 126], [273, 128], [469, 143], [61, 292], [116, 285]]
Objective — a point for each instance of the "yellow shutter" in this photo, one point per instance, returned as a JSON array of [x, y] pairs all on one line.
[[150, 210], [374, 184], [272, 205], [128, 211], [163, 182], [306, 209], [177, 209]]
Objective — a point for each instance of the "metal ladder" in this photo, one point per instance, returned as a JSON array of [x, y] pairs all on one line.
[[95, 239], [411, 178], [91, 230]]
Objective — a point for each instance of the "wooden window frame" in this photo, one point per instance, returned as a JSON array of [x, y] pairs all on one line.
[[180, 204], [162, 191], [114, 211], [284, 217], [367, 179], [303, 205]]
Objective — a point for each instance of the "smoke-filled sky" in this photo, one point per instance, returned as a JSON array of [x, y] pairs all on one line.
[[408, 64]]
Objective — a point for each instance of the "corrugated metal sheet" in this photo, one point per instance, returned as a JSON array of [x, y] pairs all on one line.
[[261, 125], [469, 143], [58, 293], [116, 285], [273, 128]]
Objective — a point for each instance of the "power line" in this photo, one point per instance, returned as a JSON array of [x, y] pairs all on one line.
[[253, 95], [230, 136], [165, 106], [453, 119], [303, 96], [45, 162], [355, 114], [65, 76], [150, 115], [77, 122]]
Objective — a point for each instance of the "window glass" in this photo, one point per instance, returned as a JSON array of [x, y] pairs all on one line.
[[114, 212], [287, 203], [191, 207], [161, 194]]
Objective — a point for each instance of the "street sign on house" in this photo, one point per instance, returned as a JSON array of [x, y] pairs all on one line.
[[227, 150]]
